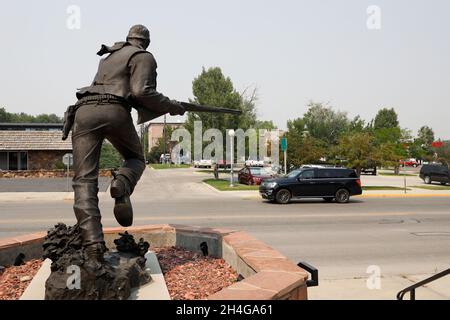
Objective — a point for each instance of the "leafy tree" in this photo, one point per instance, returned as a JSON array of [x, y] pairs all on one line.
[[385, 135], [426, 136], [4, 115], [109, 158], [22, 117], [264, 124], [389, 154], [212, 88], [358, 150], [358, 125], [325, 124], [302, 147], [421, 148], [443, 153], [386, 118], [418, 152], [392, 142], [158, 149]]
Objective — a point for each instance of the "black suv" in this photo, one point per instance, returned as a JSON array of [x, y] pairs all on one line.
[[326, 183], [435, 172]]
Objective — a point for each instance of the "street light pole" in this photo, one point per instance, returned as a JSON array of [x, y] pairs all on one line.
[[285, 162], [231, 134]]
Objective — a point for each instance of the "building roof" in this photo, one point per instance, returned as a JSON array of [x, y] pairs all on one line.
[[33, 140]]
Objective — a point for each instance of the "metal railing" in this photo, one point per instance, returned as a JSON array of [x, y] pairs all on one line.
[[314, 281], [412, 289]]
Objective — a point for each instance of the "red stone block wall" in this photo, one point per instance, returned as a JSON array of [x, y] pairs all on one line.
[[44, 159]]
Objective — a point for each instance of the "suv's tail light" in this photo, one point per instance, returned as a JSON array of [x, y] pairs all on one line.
[[358, 181]]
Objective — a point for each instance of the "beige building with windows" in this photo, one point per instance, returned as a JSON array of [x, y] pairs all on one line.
[[32, 146]]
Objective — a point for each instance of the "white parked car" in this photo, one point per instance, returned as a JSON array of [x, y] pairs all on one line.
[[203, 163], [254, 163]]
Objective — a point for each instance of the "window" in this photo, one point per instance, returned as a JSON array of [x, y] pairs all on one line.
[[3, 160], [308, 174], [336, 173], [327, 174], [260, 171], [13, 160], [293, 174], [23, 161]]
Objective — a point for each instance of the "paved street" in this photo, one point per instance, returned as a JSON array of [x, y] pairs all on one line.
[[55, 184], [408, 238]]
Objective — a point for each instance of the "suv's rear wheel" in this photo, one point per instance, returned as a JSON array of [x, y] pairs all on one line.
[[427, 179], [283, 196], [342, 196]]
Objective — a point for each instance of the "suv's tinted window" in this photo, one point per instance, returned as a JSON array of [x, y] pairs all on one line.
[[434, 168], [336, 173], [307, 174], [327, 173]]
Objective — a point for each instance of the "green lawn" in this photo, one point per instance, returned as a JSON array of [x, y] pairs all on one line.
[[368, 188], [428, 187], [158, 166], [224, 185]]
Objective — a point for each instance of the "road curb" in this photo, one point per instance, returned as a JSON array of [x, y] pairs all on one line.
[[376, 195], [408, 195], [213, 189]]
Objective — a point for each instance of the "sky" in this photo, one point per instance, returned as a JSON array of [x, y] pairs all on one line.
[[291, 51]]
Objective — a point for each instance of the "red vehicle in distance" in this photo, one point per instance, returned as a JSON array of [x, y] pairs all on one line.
[[409, 163], [254, 175]]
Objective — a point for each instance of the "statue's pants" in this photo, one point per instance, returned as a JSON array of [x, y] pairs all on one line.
[[93, 123]]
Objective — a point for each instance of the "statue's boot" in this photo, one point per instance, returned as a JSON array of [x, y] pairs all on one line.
[[87, 212], [95, 252], [120, 190]]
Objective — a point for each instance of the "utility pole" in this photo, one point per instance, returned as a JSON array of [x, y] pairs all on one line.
[[284, 149], [164, 133]]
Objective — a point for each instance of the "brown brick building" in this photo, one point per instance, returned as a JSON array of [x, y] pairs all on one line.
[[156, 131], [32, 146]]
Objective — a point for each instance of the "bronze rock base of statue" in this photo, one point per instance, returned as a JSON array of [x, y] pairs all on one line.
[[75, 277]]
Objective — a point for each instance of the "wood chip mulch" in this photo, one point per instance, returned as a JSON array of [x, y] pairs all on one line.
[[14, 280], [191, 276]]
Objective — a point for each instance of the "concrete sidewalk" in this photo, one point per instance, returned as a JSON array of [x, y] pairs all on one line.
[[35, 196], [357, 288]]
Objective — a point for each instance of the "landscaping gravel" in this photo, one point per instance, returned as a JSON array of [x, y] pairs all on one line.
[[191, 276], [14, 280]]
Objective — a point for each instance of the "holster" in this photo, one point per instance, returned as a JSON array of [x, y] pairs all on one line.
[[69, 118]]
